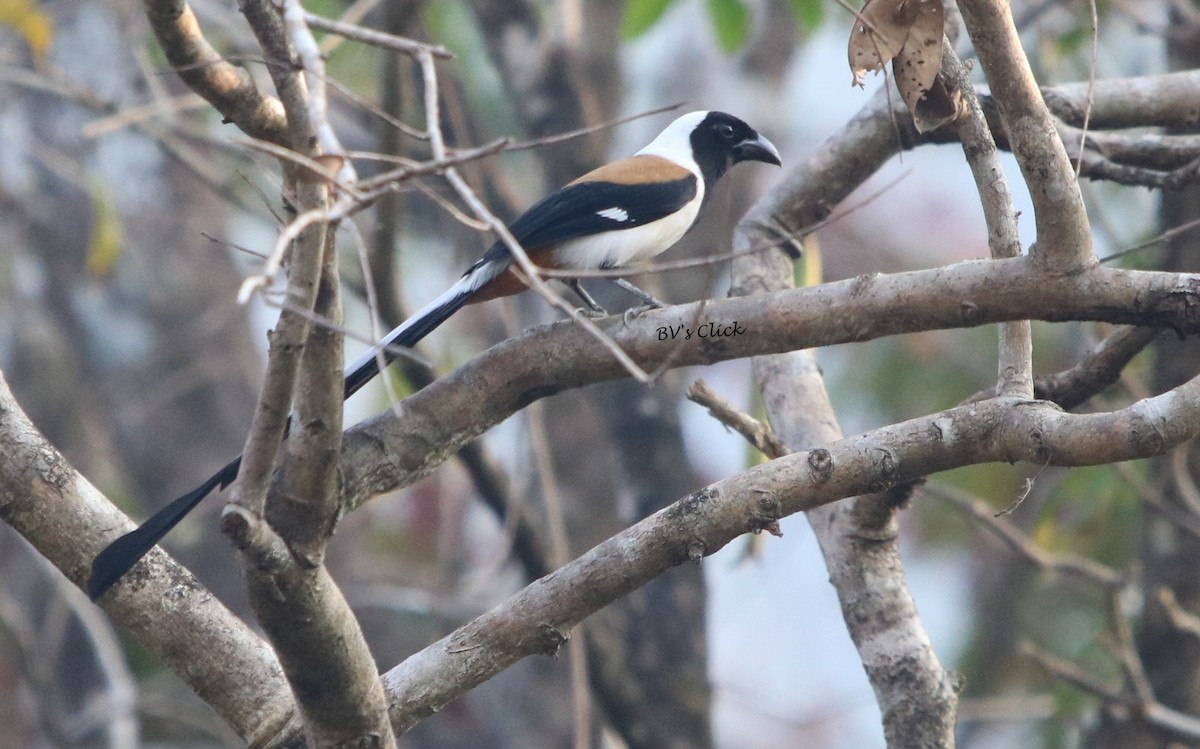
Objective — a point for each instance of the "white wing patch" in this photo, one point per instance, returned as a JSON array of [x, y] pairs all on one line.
[[620, 215]]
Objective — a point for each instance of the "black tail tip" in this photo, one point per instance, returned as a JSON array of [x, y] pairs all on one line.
[[106, 571], [120, 556], [97, 586]]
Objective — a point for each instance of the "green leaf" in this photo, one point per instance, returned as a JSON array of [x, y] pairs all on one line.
[[1073, 40], [731, 21], [640, 15], [809, 14]]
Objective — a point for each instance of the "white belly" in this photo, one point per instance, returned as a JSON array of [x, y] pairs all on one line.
[[617, 248]]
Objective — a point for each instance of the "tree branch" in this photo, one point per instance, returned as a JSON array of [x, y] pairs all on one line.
[[1148, 160], [1127, 705], [162, 605], [1098, 370], [1163, 100], [534, 620], [1064, 237], [228, 88], [294, 598], [392, 450], [1015, 360], [858, 538]]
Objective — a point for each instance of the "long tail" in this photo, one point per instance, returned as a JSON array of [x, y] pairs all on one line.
[[119, 557]]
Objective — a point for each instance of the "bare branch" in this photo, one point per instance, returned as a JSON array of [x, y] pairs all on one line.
[[858, 539], [1064, 238], [1137, 101], [376, 38], [1071, 673], [295, 600], [552, 359], [228, 88], [1182, 620], [1101, 368], [162, 605], [1175, 179], [1162, 153], [313, 62], [755, 432], [1015, 360], [1127, 652], [1097, 371], [535, 620], [1091, 82], [1125, 706], [580, 132]]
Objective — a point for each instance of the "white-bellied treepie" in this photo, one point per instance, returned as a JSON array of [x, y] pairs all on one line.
[[629, 210]]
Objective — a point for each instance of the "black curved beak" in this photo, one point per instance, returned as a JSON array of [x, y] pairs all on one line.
[[757, 149]]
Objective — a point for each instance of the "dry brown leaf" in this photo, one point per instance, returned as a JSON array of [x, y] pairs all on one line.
[[880, 30], [909, 34], [916, 64], [937, 107]]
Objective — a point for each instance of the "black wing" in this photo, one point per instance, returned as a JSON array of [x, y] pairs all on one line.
[[586, 208]]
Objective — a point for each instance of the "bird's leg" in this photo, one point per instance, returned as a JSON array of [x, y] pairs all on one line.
[[645, 298], [593, 309], [648, 301]]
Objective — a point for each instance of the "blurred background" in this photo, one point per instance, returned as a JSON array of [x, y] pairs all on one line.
[[128, 219]]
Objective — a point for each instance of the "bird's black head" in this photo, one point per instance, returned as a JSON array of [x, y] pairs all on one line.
[[721, 140]]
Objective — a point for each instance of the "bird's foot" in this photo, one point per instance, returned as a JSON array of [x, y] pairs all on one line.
[[634, 313]]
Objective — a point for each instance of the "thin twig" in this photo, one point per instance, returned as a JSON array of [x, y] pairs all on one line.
[[560, 549], [313, 62], [1171, 512], [1185, 486], [1127, 706], [1167, 235], [325, 322], [1127, 650], [756, 432], [134, 115], [1071, 673], [1015, 356], [376, 38], [381, 182], [362, 101], [525, 145], [1068, 564], [377, 333], [455, 212], [1091, 84], [357, 11], [1184, 621], [315, 169]]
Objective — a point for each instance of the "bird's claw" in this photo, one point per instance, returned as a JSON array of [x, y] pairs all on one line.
[[633, 313]]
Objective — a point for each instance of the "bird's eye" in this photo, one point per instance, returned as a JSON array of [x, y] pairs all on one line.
[[726, 131]]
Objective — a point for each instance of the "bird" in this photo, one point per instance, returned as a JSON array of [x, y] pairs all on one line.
[[629, 210]]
